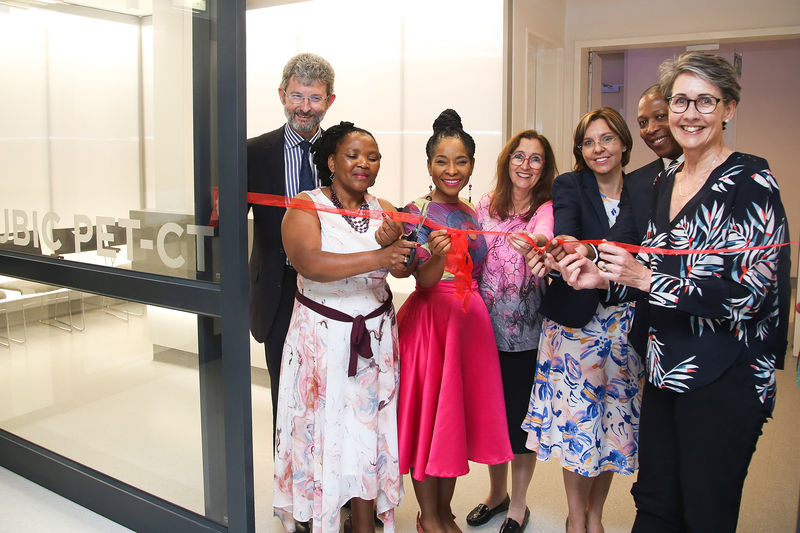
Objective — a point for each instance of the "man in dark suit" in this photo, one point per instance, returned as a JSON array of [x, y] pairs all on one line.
[[279, 163], [653, 122], [653, 119]]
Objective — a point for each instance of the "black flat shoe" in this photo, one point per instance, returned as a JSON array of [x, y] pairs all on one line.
[[302, 527], [512, 526], [482, 514]]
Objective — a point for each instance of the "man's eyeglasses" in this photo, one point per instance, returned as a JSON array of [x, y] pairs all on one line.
[[704, 104], [605, 141], [313, 100], [534, 161]]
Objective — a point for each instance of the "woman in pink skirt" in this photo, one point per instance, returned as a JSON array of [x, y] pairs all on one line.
[[451, 407]]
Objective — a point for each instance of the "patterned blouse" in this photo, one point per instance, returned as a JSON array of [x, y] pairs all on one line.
[[706, 309], [511, 293], [458, 216]]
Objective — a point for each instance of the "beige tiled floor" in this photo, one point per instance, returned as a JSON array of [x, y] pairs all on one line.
[[53, 386]]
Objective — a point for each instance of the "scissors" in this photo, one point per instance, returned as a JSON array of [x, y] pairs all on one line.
[[415, 233]]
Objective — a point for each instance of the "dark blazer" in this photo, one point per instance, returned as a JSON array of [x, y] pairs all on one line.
[[630, 228], [578, 211], [635, 203], [266, 174]]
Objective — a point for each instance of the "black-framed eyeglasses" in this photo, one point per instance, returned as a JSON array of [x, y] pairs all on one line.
[[605, 141], [313, 100], [534, 161], [704, 104]]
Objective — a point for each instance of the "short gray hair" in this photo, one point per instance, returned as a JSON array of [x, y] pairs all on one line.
[[708, 67], [308, 69]]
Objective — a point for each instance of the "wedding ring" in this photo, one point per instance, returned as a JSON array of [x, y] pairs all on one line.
[[603, 267]]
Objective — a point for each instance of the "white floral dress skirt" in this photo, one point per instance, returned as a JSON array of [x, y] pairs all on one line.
[[337, 435], [586, 398]]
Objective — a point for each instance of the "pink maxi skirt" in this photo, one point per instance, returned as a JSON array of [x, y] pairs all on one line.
[[451, 408]]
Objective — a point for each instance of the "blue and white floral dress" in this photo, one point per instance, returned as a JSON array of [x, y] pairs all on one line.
[[586, 399]]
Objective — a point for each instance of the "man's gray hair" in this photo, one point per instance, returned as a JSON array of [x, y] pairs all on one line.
[[308, 69]]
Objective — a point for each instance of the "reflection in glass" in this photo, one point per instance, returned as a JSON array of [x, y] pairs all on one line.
[[115, 386], [97, 136]]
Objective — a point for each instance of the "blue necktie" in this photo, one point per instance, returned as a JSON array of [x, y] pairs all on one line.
[[306, 176]]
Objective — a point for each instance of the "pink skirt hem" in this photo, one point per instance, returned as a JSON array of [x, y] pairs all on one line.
[[450, 406]]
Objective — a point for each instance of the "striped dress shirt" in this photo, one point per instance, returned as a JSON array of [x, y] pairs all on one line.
[[292, 158]]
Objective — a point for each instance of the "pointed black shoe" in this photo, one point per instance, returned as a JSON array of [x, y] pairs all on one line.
[[482, 514], [512, 526]]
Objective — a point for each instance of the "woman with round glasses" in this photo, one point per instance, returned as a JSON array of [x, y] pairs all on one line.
[[717, 326], [520, 202], [584, 409]]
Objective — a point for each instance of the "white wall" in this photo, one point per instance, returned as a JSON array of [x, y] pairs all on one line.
[[768, 114], [633, 21], [170, 187], [69, 139], [396, 70], [540, 22]]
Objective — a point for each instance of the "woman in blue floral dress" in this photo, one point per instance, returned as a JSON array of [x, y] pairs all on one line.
[[585, 404]]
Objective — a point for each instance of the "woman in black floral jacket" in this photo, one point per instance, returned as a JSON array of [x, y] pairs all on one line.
[[716, 330]]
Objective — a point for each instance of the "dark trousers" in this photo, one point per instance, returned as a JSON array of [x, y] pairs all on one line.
[[273, 345], [518, 370], [694, 451]]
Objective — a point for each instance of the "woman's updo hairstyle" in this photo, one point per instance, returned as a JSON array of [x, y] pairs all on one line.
[[448, 124], [326, 146]]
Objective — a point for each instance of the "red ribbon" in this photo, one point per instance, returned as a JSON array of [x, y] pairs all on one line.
[[458, 261], [295, 203]]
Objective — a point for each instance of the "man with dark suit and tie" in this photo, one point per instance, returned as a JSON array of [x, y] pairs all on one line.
[[653, 115], [279, 163], [653, 122]]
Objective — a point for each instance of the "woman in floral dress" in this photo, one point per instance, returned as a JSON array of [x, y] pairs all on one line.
[[337, 406], [585, 405]]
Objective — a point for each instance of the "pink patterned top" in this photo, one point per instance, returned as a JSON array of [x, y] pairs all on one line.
[[511, 293]]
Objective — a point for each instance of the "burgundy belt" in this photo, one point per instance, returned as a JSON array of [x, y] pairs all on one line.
[[359, 335]]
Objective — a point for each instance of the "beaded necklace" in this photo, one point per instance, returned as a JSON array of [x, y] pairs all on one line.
[[360, 224]]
